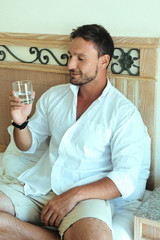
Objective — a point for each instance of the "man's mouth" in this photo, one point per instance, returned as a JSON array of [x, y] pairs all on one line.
[[74, 74]]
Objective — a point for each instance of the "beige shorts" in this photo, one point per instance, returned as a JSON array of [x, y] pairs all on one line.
[[28, 208]]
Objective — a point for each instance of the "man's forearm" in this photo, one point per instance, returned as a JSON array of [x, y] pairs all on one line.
[[101, 189], [23, 138]]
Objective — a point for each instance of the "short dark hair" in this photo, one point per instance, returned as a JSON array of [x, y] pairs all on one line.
[[98, 35]]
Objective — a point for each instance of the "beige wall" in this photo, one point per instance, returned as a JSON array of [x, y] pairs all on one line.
[[120, 17], [138, 18]]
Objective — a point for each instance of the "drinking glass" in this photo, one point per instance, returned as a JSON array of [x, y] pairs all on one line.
[[23, 90]]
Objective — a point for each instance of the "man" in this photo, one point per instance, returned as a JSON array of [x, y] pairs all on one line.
[[95, 153]]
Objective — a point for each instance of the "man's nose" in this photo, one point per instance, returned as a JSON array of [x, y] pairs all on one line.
[[72, 64]]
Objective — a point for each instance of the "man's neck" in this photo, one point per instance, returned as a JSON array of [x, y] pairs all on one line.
[[92, 90]]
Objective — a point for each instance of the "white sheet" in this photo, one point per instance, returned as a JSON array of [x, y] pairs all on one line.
[[123, 225], [123, 221], [1, 156]]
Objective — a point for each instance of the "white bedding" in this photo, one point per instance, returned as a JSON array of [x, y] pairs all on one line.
[[1, 156], [123, 220]]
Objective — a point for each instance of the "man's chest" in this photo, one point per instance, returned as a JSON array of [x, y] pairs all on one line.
[[82, 106]]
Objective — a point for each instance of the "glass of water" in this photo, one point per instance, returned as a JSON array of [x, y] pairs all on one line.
[[23, 90]]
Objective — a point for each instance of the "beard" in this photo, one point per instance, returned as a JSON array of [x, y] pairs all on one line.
[[82, 78]]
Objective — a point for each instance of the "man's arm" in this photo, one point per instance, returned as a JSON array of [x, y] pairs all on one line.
[[23, 138], [101, 189], [56, 209]]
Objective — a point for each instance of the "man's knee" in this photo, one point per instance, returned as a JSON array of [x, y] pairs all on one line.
[[88, 229], [6, 204]]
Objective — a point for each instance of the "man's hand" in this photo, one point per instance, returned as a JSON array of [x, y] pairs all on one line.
[[58, 207], [19, 112]]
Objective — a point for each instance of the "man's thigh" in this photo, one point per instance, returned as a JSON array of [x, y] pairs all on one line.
[[97, 210], [26, 208], [6, 204]]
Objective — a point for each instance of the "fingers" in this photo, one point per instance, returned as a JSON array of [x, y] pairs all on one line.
[[48, 216], [56, 219], [51, 216], [14, 101], [44, 219], [52, 219]]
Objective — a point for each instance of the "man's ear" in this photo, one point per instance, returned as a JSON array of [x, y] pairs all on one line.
[[105, 60]]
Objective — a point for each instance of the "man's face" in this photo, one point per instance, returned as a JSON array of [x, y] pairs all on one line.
[[83, 61]]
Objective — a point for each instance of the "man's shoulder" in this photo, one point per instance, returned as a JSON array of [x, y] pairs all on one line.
[[119, 97]]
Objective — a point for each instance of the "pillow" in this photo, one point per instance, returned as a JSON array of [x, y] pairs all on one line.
[[14, 162]]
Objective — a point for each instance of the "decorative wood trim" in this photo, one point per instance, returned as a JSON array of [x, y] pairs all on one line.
[[148, 63], [36, 40], [62, 41], [145, 229], [34, 67], [128, 77], [148, 49], [136, 42]]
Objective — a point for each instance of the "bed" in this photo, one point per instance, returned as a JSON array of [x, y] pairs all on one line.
[[43, 58]]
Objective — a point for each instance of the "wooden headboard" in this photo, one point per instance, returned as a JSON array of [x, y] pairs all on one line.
[[43, 59]]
